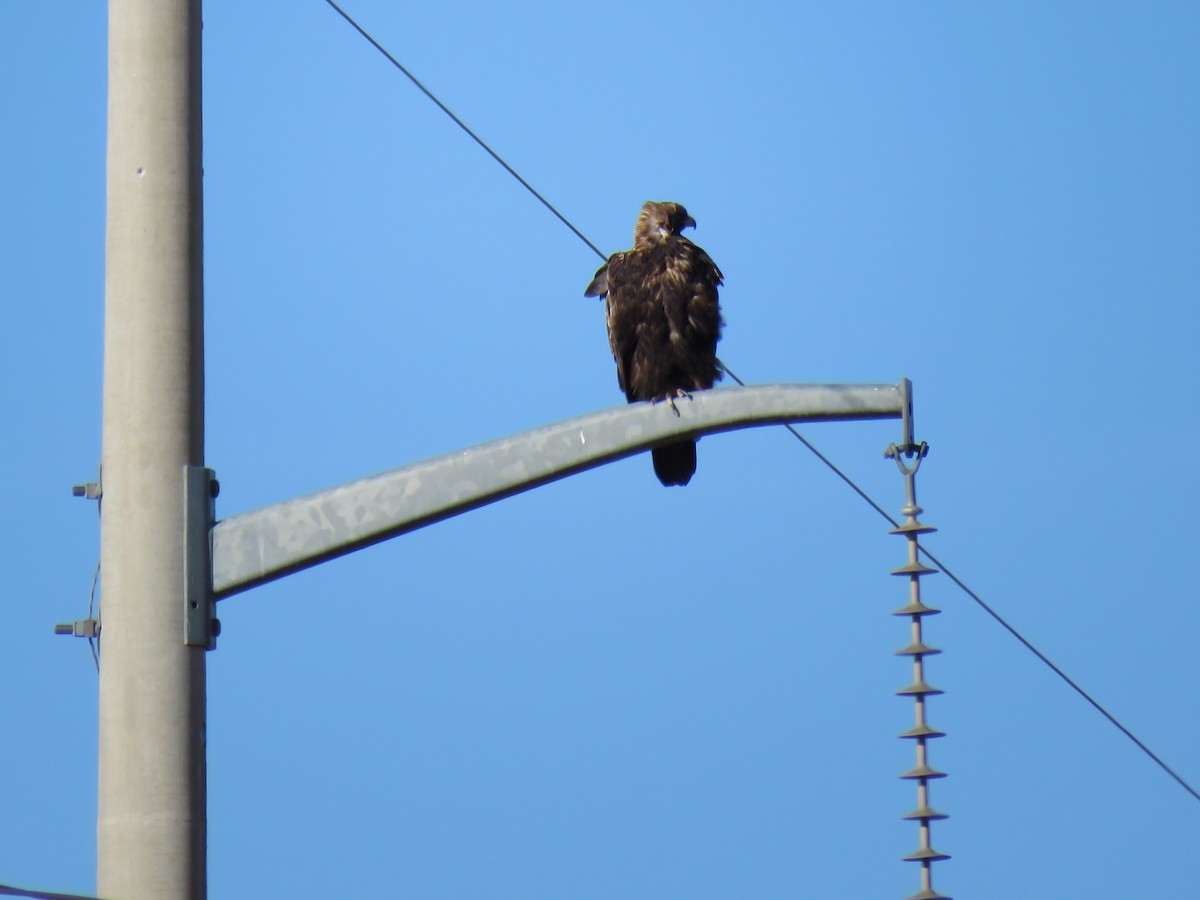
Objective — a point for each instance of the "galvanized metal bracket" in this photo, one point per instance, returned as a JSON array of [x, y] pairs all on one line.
[[908, 442], [252, 548], [200, 623]]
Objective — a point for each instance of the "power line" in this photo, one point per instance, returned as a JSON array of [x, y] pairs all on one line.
[[7, 890], [459, 122], [1063, 675], [861, 493], [991, 612]]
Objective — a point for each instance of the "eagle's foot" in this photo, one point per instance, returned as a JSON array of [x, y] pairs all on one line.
[[670, 398]]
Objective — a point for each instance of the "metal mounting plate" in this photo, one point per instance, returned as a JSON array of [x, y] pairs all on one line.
[[199, 515]]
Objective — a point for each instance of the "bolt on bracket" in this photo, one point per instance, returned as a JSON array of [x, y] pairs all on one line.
[[88, 628], [89, 490]]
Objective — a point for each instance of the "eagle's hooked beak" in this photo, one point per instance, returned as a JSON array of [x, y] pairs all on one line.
[[689, 222]]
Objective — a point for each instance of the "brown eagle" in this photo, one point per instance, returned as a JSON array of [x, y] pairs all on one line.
[[664, 321]]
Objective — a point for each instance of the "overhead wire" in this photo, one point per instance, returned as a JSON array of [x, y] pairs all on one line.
[[7, 890], [461, 124], [824, 459], [991, 612]]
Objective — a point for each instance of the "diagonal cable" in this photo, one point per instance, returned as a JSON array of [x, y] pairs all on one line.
[[459, 122], [7, 890], [861, 493], [991, 612]]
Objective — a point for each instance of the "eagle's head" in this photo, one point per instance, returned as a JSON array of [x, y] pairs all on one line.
[[660, 220]]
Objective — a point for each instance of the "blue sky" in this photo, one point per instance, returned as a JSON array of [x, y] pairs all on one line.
[[604, 688]]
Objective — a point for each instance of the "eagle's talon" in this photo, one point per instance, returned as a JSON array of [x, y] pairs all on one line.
[[670, 399]]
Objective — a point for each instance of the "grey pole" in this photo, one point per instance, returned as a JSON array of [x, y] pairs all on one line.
[[151, 828]]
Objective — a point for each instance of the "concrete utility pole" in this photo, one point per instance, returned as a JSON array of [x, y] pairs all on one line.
[[151, 826]]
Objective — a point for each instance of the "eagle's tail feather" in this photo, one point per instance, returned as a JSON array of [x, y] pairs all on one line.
[[675, 463]]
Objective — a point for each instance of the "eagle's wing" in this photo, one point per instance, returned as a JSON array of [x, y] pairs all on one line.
[[598, 286], [620, 315], [693, 313]]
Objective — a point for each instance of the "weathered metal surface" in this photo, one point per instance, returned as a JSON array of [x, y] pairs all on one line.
[[259, 546]]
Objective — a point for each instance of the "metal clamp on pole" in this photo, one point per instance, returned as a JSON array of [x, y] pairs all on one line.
[[200, 623], [88, 628], [921, 732]]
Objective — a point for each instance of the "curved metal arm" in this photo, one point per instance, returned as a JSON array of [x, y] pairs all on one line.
[[260, 546]]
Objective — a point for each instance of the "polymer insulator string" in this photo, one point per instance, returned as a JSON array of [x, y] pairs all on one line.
[[919, 690]]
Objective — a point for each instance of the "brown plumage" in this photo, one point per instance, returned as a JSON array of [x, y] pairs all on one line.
[[664, 321]]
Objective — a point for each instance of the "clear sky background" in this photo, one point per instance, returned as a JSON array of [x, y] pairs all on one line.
[[604, 688]]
